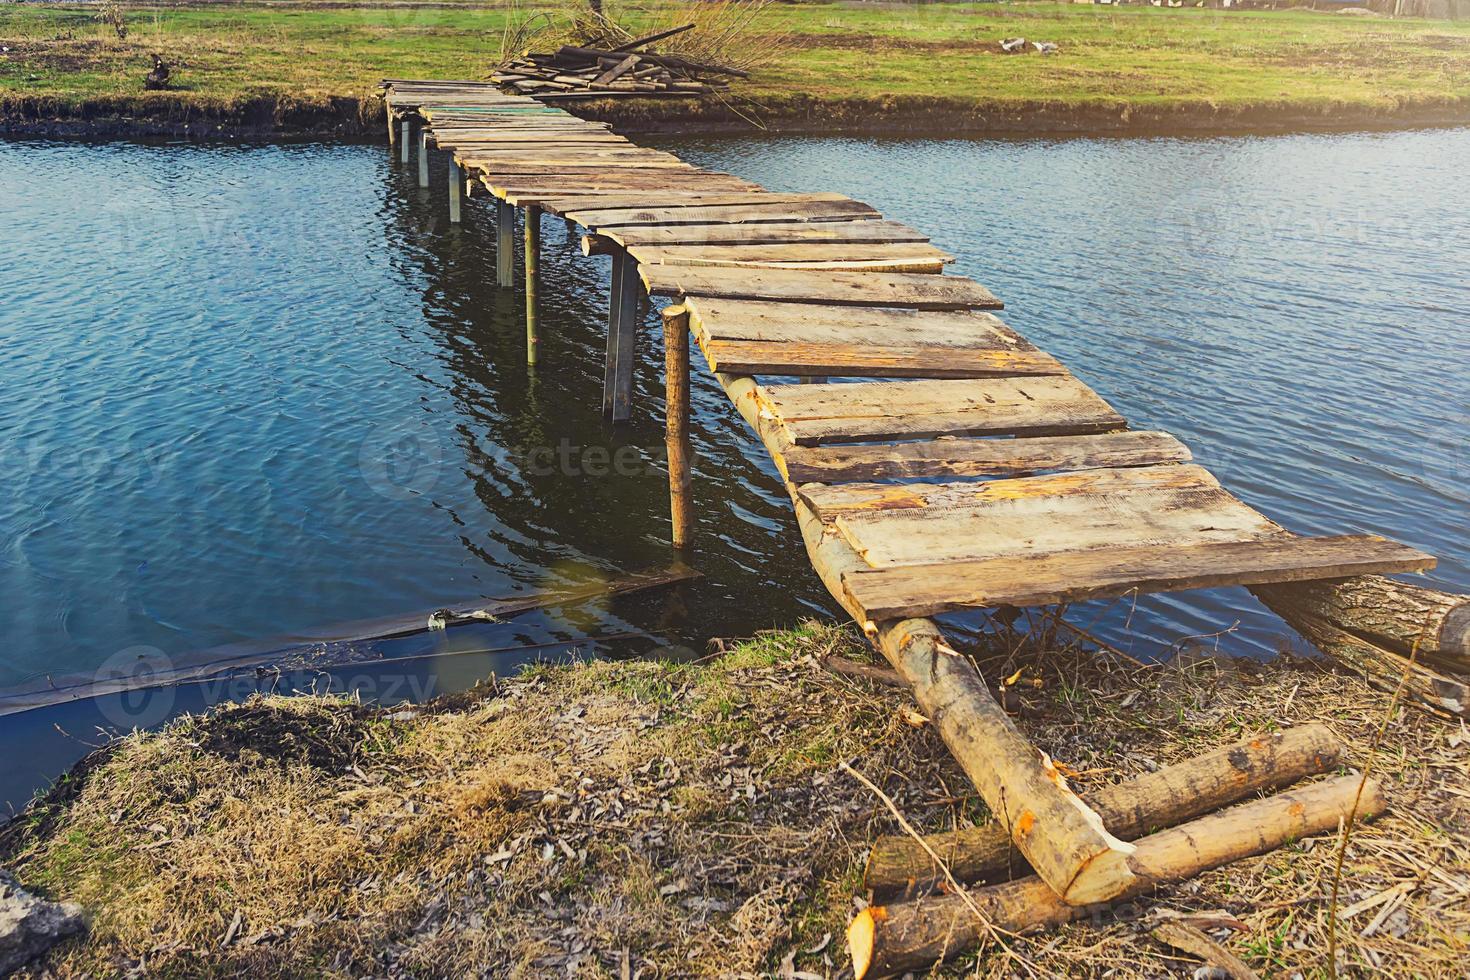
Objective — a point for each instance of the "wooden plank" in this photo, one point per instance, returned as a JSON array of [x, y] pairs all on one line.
[[758, 320], [1045, 515], [855, 361], [496, 168], [527, 138], [919, 292], [878, 500], [755, 211], [751, 337], [858, 231], [830, 256], [932, 589], [682, 199], [876, 411], [980, 457]]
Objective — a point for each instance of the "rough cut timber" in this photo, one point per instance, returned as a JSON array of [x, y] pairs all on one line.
[[885, 940], [752, 337], [876, 411], [919, 292], [949, 456], [1039, 580], [1130, 809]]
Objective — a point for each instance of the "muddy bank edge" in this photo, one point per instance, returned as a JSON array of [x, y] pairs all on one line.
[[359, 116]]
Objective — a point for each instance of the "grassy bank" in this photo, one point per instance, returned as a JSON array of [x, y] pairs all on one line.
[[658, 820], [843, 66]]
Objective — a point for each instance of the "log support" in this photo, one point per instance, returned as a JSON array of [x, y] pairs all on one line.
[[456, 191], [405, 140], [1390, 631], [676, 438], [885, 940], [392, 128], [533, 276], [423, 156], [505, 244], [1130, 809], [622, 338]]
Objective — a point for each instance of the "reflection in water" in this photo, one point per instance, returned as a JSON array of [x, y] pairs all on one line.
[[248, 391]]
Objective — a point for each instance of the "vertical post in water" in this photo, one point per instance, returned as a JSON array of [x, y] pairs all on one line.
[[407, 139], [505, 244], [676, 436], [622, 335], [456, 189], [533, 274], [392, 129], [423, 156]]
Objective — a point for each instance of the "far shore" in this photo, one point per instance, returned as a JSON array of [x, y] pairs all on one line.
[[247, 69], [361, 117]]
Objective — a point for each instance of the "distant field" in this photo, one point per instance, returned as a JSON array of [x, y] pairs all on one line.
[[1115, 56]]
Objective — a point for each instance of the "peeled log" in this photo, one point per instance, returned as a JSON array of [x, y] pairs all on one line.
[[1373, 624], [891, 939], [1062, 838], [1130, 809]]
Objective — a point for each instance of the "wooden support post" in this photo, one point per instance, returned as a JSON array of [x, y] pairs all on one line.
[[423, 156], [622, 337], [456, 190], [505, 244], [676, 438], [406, 141], [392, 129], [533, 274]]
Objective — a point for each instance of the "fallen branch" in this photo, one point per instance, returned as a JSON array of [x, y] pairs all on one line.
[[868, 672], [1130, 809], [890, 939]]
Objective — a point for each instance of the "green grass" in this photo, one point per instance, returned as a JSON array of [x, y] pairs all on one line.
[[1123, 56]]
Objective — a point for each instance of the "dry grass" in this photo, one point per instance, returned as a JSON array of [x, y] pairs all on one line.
[[645, 819]]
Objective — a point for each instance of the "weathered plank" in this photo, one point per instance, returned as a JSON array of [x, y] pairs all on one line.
[[879, 500], [1043, 519], [919, 292], [932, 589], [752, 337], [758, 320], [682, 199], [874, 411], [831, 256], [949, 456], [858, 361], [857, 231], [752, 212], [498, 169]]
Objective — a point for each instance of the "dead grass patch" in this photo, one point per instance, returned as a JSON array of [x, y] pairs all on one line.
[[647, 819]]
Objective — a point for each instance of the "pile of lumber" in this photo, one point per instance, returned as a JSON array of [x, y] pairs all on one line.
[[573, 72]]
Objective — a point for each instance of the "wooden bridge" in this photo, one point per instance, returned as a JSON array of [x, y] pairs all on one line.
[[972, 471]]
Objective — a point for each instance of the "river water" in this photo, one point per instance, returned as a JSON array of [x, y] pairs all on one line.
[[250, 392]]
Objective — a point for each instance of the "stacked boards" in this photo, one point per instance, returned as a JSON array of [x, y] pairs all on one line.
[[994, 477]]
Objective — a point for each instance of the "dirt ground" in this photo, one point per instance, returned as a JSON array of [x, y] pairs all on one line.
[[656, 820]]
